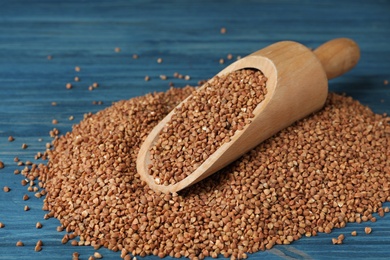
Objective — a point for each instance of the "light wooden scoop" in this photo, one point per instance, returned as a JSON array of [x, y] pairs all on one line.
[[297, 86]]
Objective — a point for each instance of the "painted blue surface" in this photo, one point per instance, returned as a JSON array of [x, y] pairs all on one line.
[[186, 35]]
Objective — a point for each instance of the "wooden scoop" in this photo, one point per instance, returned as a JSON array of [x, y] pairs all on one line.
[[297, 86]]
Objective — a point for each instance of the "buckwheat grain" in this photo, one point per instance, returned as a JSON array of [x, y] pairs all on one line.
[[316, 175], [208, 119]]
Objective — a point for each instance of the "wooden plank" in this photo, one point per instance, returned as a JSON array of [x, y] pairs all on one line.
[[186, 34]]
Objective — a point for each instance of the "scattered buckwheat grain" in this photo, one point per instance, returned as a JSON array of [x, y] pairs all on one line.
[[28, 162], [367, 230], [75, 255], [38, 248], [340, 239], [65, 239]]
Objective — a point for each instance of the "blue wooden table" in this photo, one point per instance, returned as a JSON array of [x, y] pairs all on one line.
[[187, 36]]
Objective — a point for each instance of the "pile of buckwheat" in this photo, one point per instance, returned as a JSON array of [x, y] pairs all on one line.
[[318, 174], [208, 119]]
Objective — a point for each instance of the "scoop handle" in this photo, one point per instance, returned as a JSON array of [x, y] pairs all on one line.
[[338, 56]]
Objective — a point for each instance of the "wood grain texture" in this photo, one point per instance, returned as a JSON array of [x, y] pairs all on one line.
[[186, 35]]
